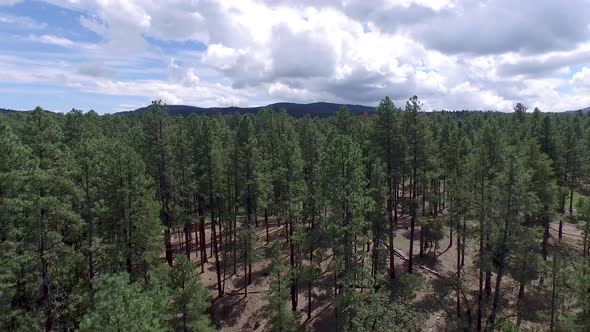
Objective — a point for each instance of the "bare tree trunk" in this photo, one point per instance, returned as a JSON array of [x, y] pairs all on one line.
[[392, 220], [168, 244], [311, 248], [519, 303], [554, 295], [560, 233], [458, 271], [481, 260], [214, 243], [463, 242], [187, 240], [544, 249], [235, 235], [571, 202], [585, 244], [488, 280], [413, 217], [292, 263], [266, 223]]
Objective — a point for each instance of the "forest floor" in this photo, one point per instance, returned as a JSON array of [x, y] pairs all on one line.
[[435, 298]]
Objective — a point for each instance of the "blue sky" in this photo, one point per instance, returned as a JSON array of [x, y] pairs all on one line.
[[113, 56]]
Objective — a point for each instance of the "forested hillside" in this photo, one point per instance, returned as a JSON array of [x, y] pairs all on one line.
[[398, 220]]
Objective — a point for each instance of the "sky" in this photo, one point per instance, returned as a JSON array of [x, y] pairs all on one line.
[[113, 56]]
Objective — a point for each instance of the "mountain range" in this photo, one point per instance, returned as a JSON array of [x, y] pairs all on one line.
[[321, 109], [294, 109]]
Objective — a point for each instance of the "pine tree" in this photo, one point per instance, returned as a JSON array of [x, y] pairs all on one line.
[[213, 181], [247, 162], [266, 182], [16, 284], [311, 142], [387, 142], [129, 220], [157, 157], [512, 201], [378, 191], [417, 137], [281, 317], [183, 176], [344, 189], [484, 164], [123, 306], [52, 224], [292, 193], [189, 298]]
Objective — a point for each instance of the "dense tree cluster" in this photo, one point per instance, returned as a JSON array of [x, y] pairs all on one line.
[[105, 221]]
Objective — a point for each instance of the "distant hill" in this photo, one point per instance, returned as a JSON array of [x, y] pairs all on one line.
[[294, 109], [5, 110], [584, 110]]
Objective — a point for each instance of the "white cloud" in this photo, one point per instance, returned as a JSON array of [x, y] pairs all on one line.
[[581, 79], [448, 52], [9, 2], [51, 39], [21, 21]]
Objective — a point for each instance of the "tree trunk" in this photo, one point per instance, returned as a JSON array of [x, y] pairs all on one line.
[[214, 243], [463, 241], [266, 224], [310, 283], [560, 233], [585, 243], [503, 253], [187, 240], [246, 270], [403, 193], [481, 259], [519, 303], [168, 244], [444, 190], [249, 213], [235, 242], [413, 218], [203, 243], [458, 271], [544, 248], [554, 294], [391, 233], [292, 263], [488, 280], [451, 237], [571, 202]]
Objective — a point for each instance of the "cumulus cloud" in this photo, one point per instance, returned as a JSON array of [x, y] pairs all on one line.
[[581, 79], [491, 27], [454, 54]]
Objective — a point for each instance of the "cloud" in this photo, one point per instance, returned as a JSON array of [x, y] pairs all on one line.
[[453, 54], [492, 27], [581, 80], [9, 2], [544, 64], [24, 22], [301, 54], [94, 69], [52, 40]]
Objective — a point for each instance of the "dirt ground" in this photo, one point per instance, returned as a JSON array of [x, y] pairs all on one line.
[[235, 312]]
